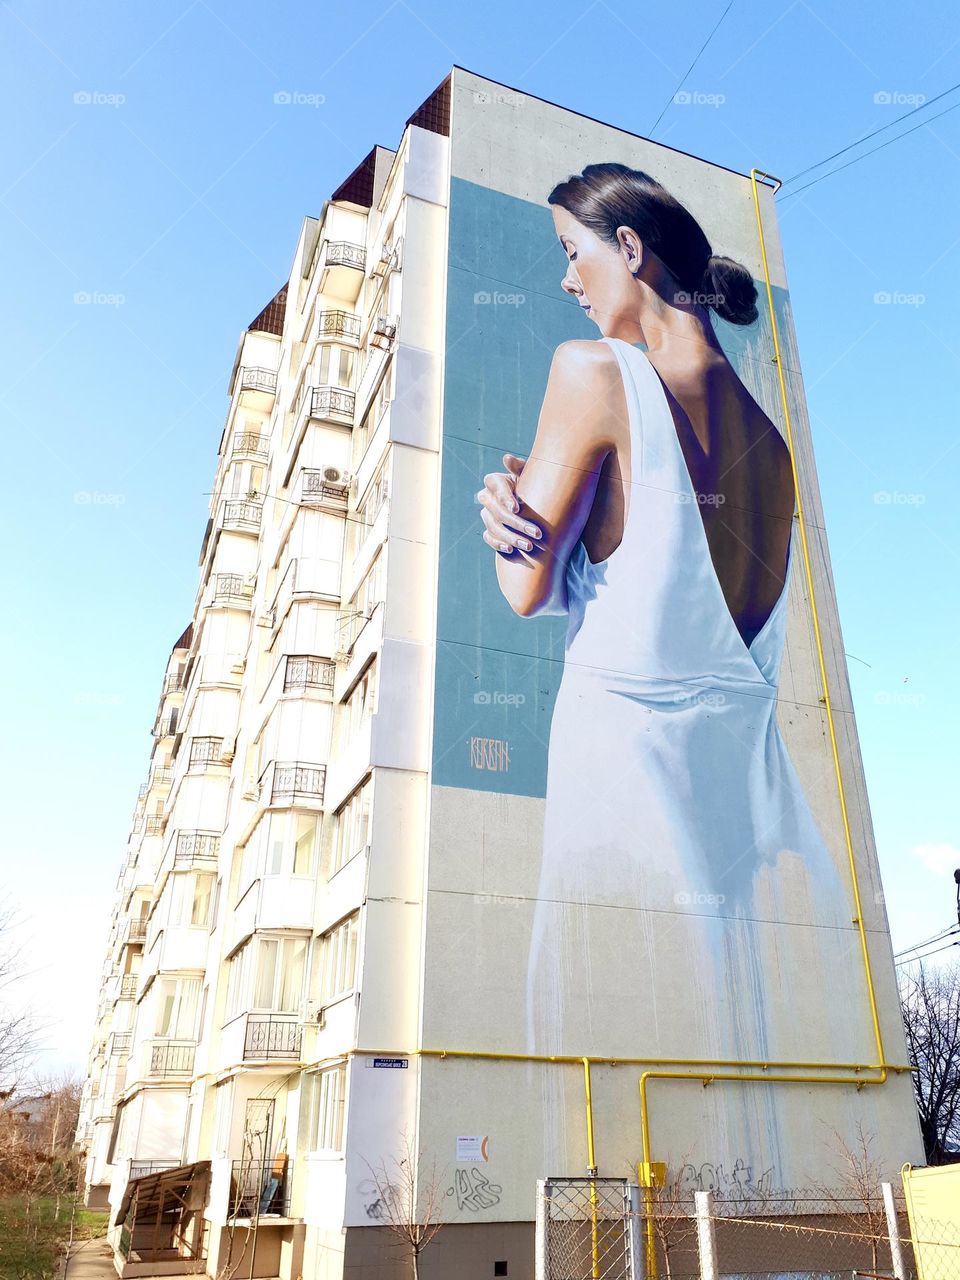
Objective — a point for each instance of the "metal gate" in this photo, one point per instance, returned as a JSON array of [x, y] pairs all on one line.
[[588, 1229]]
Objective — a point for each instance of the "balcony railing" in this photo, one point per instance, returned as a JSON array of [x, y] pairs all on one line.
[[120, 1043], [154, 824], [250, 444], [303, 672], [205, 751], [338, 324], [272, 1038], [166, 726], [128, 987], [256, 379], [232, 587], [142, 1168], [343, 253], [173, 682], [260, 1188], [171, 1058], [196, 846], [160, 778], [329, 486], [289, 782], [136, 930], [240, 513], [332, 403]]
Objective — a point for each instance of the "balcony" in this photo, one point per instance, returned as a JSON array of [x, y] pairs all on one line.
[[136, 930], [260, 1188], [303, 672], [329, 487], [271, 1037], [166, 726], [256, 379], [338, 324], [241, 515], [120, 1044], [143, 1168], [250, 444], [293, 783], [174, 682], [325, 404], [234, 589], [160, 778], [128, 987], [171, 1058], [196, 848], [205, 753], [154, 824]]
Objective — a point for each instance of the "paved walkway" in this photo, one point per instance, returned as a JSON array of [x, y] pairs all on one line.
[[91, 1260]]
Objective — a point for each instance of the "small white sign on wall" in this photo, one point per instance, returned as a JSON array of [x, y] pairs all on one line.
[[472, 1148]]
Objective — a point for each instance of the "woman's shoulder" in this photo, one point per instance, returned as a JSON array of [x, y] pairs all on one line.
[[584, 363]]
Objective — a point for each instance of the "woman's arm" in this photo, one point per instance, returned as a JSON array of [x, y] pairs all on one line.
[[556, 488]]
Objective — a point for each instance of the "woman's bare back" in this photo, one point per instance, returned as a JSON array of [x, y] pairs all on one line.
[[740, 469]]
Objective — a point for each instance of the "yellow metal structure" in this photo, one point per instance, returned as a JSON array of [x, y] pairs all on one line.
[[933, 1210]]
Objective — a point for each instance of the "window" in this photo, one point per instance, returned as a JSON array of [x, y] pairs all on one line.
[[359, 705], [375, 497], [176, 1005], [326, 1123], [191, 898], [335, 368], [368, 424], [304, 844], [272, 970], [205, 751], [368, 595], [353, 827], [338, 959]]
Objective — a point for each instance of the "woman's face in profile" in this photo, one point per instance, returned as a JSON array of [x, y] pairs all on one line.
[[597, 273]]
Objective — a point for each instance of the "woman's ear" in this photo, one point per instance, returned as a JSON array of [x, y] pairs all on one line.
[[631, 246]]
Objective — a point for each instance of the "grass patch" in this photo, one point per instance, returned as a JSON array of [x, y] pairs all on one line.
[[33, 1234]]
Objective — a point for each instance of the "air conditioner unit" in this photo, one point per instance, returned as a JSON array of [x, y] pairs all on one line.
[[251, 791], [238, 668], [228, 750], [249, 583], [342, 657], [267, 618], [383, 333], [335, 477]]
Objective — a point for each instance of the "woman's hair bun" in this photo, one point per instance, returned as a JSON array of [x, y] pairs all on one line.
[[729, 290]]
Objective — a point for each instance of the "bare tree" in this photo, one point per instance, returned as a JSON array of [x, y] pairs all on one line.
[[856, 1195], [671, 1210], [18, 1027], [930, 1002], [410, 1196]]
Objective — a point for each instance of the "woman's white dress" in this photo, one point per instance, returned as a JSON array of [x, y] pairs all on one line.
[[687, 904]]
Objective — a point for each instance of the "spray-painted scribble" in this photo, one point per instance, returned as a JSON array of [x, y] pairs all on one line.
[[474, 1190]]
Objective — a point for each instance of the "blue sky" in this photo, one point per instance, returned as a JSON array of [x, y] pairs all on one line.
[[172, 191]]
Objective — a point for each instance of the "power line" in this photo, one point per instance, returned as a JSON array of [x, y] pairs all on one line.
[[927, 941], [873, 133], [872, 151], [927, 954], [683, 78]]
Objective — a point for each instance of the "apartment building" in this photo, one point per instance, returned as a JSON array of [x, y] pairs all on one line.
[[318, 963]]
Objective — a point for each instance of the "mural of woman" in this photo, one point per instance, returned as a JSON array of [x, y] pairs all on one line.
[[655, 511]]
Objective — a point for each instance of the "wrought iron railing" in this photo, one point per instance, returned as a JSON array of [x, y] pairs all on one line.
[[260, 1188], [173, 682], [251, 444], [143, 1168], [171, 1058], [343, 253], [232, 586], [272, 1038], [195, 846], [154, 824], [137, 930], [317, 485], [166, 726], [303, 672], [241, 513], [327, 402], [297, 781], [128, 987], [160, 778], [338, 324], [257, 379], [205, 750], [120, 1043]]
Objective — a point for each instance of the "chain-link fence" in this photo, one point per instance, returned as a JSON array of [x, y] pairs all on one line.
[[605, 1229]]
